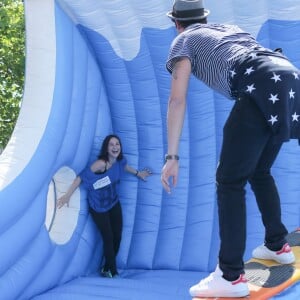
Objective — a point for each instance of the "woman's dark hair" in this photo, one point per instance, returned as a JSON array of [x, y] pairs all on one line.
[[185, 24], [104, 153]]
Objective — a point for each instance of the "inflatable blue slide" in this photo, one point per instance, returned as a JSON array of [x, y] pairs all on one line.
[[95, 67]]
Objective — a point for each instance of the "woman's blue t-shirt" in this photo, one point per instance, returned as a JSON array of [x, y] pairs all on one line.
[[103, 187]]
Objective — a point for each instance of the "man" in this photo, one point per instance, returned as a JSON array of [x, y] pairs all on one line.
[[266, 113]]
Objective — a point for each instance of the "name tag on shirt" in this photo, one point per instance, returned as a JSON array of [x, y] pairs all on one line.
[[101, 183]]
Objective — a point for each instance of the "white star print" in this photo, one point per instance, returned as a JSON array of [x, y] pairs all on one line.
[[292, 94], [273, 119], [296, 75], [249, 71], [295, 117], [253, 55], [276, 77], [232, 73], [250, 88], [274, 98]]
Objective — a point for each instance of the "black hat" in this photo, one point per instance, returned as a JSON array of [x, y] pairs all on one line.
[[185, 10]]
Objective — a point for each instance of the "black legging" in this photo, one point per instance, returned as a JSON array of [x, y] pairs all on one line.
[[110, 225]]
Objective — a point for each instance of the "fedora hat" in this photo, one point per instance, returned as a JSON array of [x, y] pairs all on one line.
[[185, 10]]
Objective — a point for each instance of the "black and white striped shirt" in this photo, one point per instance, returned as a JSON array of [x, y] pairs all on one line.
[[213, 50]]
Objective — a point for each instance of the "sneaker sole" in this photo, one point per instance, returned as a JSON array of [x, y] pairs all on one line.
[[276, 260], [221, 295], [268, 257]]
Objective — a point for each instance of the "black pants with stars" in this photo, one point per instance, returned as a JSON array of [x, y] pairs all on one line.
[[273, 83], [247, 155], [266, 87]]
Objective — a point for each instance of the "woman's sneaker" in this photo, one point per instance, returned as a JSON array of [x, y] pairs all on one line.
[[284, 256], [215, 286], [106, 273]]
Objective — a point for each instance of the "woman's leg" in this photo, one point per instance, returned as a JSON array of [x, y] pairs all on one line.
[[103, 223], [116, 222]]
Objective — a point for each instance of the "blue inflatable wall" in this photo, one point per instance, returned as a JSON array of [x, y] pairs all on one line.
[[95, 67]]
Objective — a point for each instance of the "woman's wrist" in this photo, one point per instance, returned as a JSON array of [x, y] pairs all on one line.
[[137, 173]]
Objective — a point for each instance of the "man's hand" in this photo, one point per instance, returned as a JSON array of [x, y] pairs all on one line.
[[170, 169]]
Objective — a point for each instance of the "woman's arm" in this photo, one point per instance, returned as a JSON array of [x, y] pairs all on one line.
[[65, 199], [140, 174]]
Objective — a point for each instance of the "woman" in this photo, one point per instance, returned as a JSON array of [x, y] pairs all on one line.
[[101, 179]]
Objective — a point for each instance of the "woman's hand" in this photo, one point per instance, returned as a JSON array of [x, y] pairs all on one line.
[[144, 174], [65, 199]]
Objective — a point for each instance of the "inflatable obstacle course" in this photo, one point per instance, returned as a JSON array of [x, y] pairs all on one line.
[[97, 67]]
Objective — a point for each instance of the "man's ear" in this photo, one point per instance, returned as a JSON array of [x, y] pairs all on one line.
[[178, 26]]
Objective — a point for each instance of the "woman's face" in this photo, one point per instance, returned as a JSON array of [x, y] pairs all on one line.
[[114, 148]]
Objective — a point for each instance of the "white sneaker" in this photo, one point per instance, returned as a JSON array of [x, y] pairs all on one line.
[[215, 286], [284, 256]]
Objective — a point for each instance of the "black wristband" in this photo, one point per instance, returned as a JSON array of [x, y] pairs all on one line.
[[137, 172], [171, 156]]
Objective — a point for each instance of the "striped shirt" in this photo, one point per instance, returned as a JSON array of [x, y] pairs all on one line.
[[213, 50]]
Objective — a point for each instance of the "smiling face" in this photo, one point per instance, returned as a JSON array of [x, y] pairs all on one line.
[[113, 148]]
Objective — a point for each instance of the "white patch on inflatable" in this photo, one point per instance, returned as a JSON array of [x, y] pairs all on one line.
[[62, 222], [38, 92], [107, 18]]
